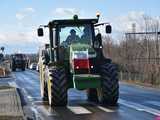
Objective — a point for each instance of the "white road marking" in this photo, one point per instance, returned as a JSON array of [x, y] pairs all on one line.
[[13, 84], [106, 109], [30, 98], [123, 92], [139, 107], [25, 91], [13, 76], [78, 110], [156, 103], [38, 116], [125, 103], [47, 111]]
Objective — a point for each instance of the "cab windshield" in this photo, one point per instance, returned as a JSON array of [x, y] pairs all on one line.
[[75, 34]]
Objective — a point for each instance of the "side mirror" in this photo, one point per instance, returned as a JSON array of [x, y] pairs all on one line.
[[40, 32], [108, 29], [2, 48]]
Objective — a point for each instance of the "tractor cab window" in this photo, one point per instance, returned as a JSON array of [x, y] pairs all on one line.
[[75, 34]]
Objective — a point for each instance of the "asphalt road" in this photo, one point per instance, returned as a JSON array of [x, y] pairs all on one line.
[[135, 103]]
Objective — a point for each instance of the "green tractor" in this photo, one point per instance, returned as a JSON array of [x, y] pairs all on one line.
[[74, 59]]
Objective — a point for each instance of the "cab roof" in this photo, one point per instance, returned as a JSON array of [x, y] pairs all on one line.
[[70, 22]]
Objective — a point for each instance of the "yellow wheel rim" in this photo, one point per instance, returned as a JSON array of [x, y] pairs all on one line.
[[49, 91]]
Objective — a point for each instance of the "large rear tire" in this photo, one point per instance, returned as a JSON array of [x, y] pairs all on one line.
[[109, 91], [57, 87]]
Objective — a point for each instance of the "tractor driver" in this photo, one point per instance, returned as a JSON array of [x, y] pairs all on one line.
[[86, 35], [72, 38]]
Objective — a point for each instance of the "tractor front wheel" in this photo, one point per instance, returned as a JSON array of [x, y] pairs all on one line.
[[109, 92], [57, 87]]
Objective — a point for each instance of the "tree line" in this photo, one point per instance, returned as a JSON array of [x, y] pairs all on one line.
[[137, 53]]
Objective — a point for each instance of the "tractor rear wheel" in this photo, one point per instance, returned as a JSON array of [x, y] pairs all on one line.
[[57, 87], [109, 92]]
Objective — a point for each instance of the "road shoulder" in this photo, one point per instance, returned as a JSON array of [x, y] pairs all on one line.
[[10, 103]]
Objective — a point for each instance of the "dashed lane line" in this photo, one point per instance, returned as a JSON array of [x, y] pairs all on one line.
[[156, 103], [37, 114], [78, 110], [30, 98], [106, 109], [47, 111], [13, 84], [140, 107]]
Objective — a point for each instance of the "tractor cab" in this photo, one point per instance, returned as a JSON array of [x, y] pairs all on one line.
[[69, 34]]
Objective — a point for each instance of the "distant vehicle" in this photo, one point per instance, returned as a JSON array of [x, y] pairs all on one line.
[[1, 57], [33, 66], [18, 61]]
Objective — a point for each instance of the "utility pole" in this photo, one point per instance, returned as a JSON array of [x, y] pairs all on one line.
[[134, 31], [157, 43]]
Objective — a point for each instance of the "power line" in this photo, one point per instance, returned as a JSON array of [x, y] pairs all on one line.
[[129, 33]]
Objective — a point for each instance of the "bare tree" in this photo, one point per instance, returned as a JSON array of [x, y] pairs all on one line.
[[138, 55]]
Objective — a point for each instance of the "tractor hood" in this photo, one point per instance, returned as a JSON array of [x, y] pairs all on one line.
[[80, 56], [82, 47]]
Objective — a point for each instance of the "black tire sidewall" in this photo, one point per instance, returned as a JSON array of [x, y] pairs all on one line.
[[109, 84]]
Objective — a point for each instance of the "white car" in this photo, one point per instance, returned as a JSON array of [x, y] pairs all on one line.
[[33, 66]]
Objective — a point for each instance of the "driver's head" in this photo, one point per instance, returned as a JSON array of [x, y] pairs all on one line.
[[73, 32], [86, 30]]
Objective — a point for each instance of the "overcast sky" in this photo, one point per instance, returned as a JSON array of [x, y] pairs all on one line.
[[19, 19]]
